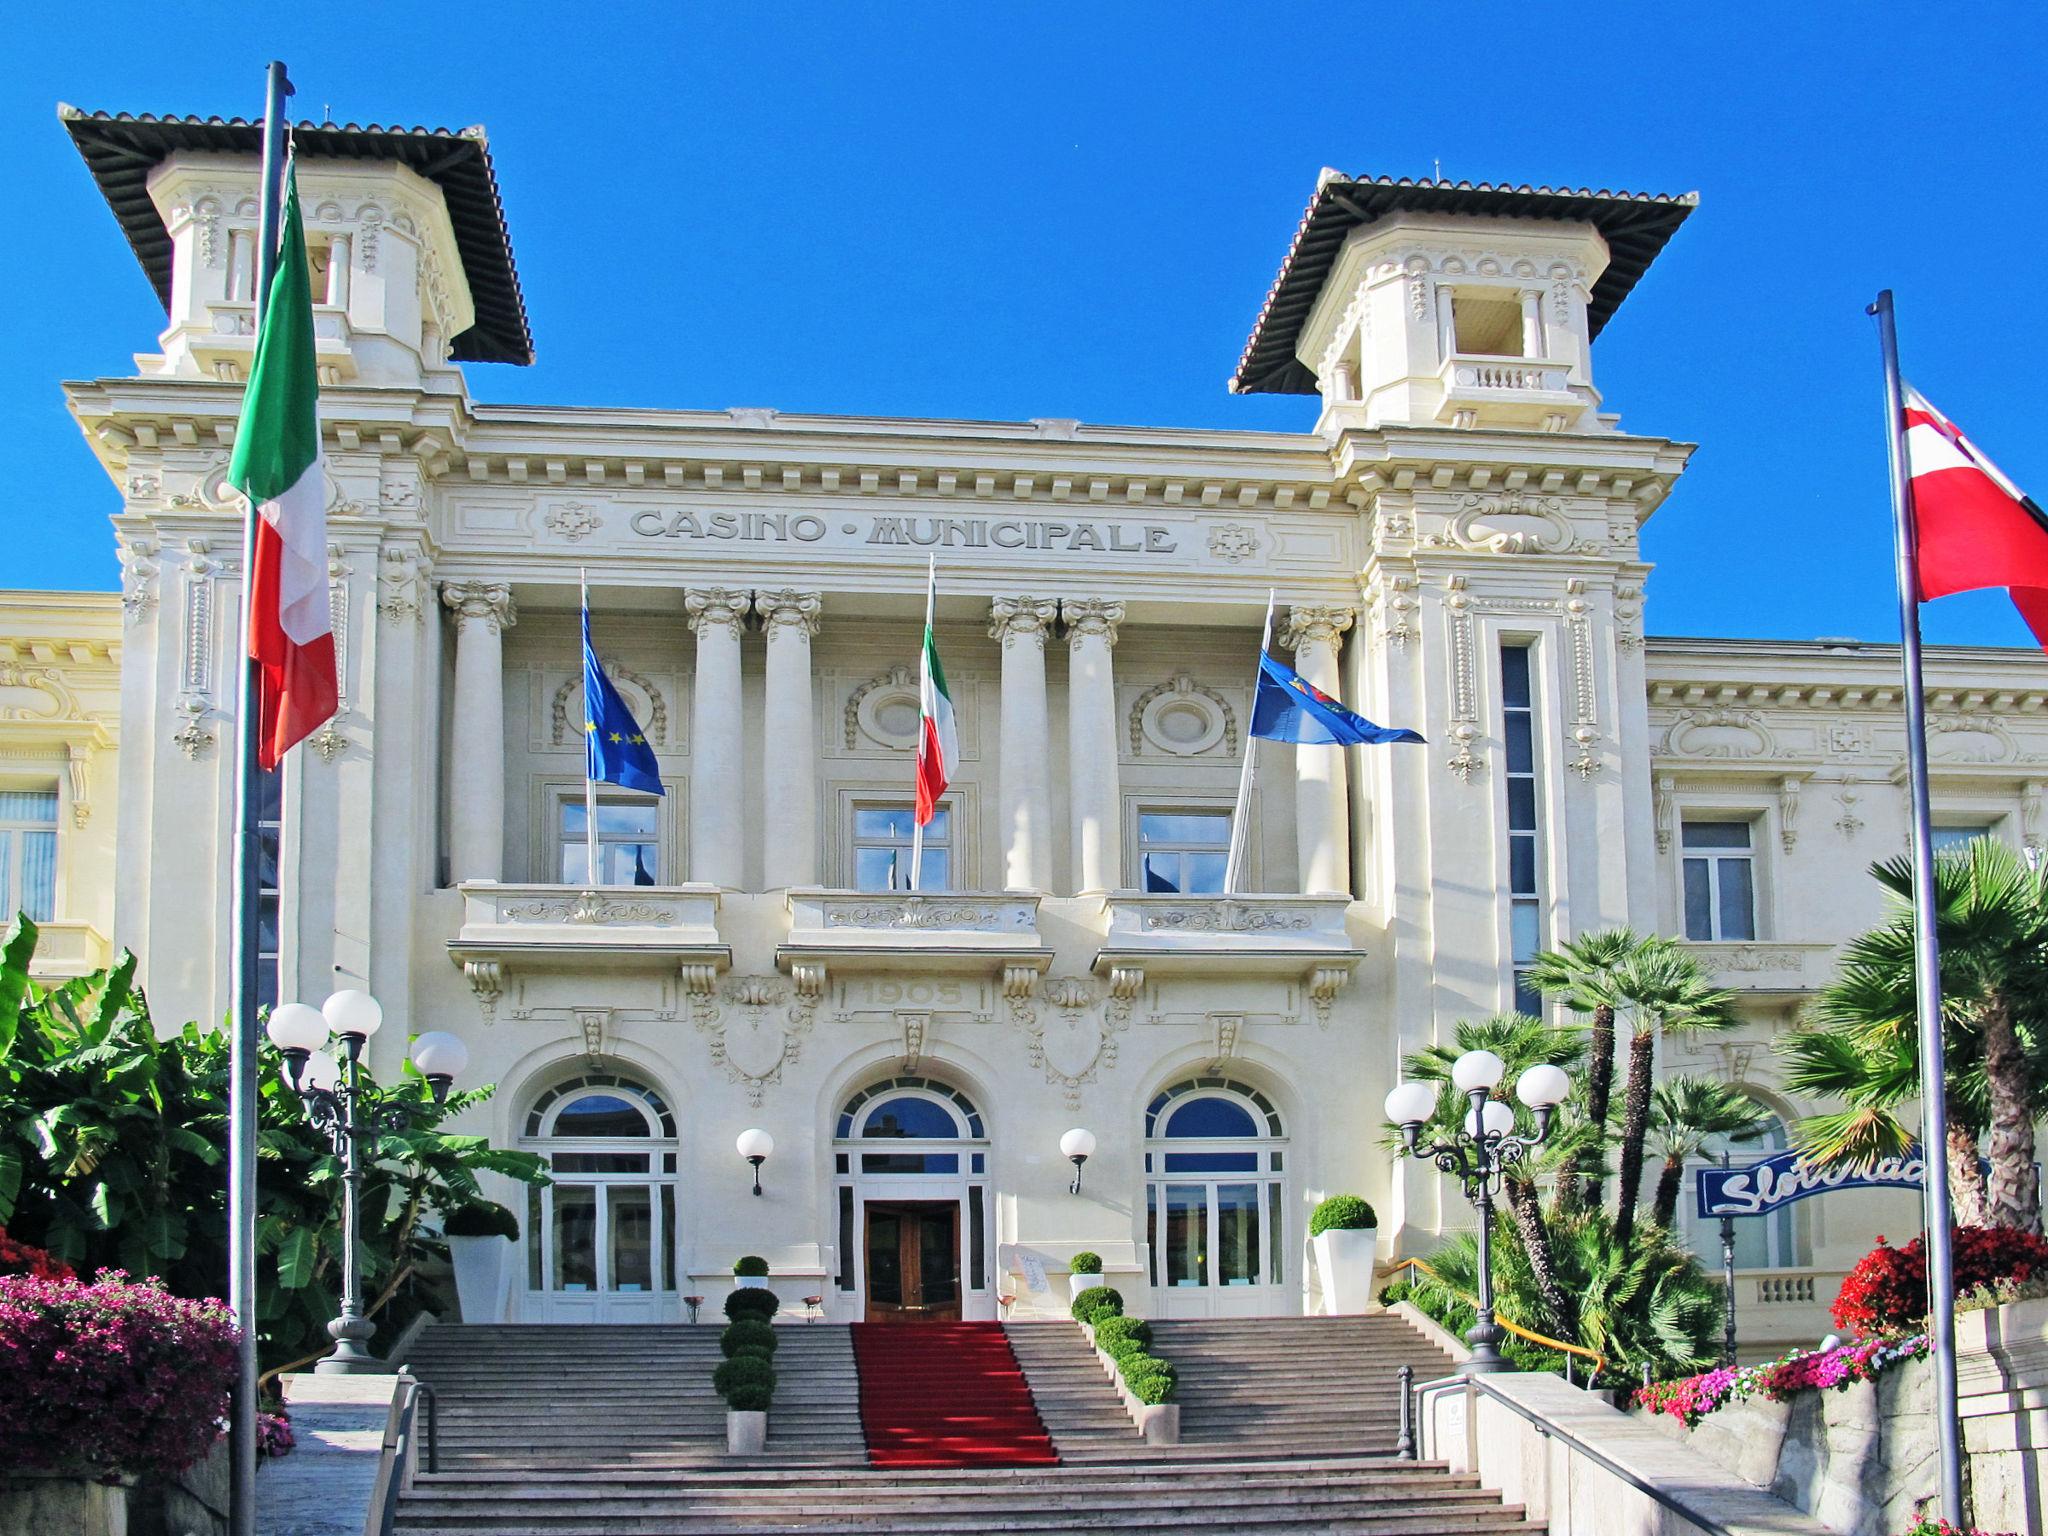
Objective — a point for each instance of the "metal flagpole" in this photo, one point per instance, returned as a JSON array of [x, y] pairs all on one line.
[[931, 596], [1941, 1282], [1233, 864], [244, 1059], [589, 784]]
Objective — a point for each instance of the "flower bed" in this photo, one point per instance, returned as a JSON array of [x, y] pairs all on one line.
[[18, 1258], [110, 1378], [1888, 1287], [1691, 1398]]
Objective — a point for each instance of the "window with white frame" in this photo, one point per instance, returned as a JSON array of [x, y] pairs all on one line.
[[628, 840], [1958, 835], [1525, 832], [883, 839], [1215, 1181], [1183, 850], [1720, 880], [28, 853]]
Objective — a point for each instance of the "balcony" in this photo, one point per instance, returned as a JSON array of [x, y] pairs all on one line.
[[961, 933], [68, 947], [558, 927], [1766, 970], [1508, 391], [1777, 1307], [1303, 937]]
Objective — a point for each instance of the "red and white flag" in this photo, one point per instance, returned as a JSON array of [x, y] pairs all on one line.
[[1973, 527], [277, 465]]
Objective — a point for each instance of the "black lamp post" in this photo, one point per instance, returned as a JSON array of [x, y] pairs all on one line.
[[1479, 1155]]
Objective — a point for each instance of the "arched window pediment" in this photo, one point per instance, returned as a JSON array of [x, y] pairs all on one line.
[[1211, 1109]]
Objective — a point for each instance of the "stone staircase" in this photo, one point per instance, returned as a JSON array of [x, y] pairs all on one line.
[[1295, 1385]]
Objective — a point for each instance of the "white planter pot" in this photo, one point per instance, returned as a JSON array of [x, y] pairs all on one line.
[[480, 1270], [746, 1432], [1076, 1284], [750, 1282], [1345, 1262]]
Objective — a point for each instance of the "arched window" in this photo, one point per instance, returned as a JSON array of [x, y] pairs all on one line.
[[1778, 1240], [1215, 1195], [910, 1155], [600, 1239]]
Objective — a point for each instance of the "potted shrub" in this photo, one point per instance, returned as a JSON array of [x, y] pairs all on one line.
[[1346, 1236], [1083, 1272], [746, 1377], [480, 1237], [750, 1273]]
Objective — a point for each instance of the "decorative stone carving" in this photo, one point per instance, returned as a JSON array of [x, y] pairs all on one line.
[[485, 602], [1970, 739], [1226, 916], [1578, 625], [78, 767], [1026, 619], [652, 710], [917, 912], [1514, 524], [404, 577], [1075, 1048], [1719, 733], [1666, 812], [328, 741], [1395, 603], [573, 520], [139, 571], [1233, 542], [2030, 821], [916, 1025], [590, 907], [1788, 812], [788, 608], [1464, 730], [885, 710], [1324, 983], [1848, 823], [1091, 617], [757, 1029], [193, 738], [1315, 624], [487, 980], [592, 1024], [1228, 1028], [1183, 718], [722, 607]]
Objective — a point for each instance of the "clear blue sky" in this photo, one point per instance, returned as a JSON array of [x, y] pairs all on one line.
[[1056, 210]]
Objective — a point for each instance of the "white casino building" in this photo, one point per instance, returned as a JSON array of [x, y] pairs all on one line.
[[1455, 547]]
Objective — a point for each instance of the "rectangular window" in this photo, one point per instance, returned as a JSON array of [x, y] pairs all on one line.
[[1187, 1222], [883, 836], [1183, 852], [1720, 886], [977, 1241], [1525, 833], [628, 841], [1958, 836], [28, 853]]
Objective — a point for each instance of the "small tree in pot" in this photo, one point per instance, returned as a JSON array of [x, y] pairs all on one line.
[[1346, 1236], [1083, 1271], [481, 1256]]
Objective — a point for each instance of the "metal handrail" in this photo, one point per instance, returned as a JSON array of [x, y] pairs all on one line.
[[1599, 1360], [381, 1515], [1599, 1458], [421, 1389]]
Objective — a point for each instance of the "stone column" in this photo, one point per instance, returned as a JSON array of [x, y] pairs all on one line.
[[789, 748], [1093, 800], [476, 789], [1532, 322], [1322, 816], [1020, 623], [716, 760]]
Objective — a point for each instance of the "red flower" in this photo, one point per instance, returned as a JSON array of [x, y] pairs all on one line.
[[1887, 1290], [17, 1258]]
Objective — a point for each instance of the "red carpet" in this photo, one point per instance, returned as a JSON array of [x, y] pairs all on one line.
[[946, 1395]]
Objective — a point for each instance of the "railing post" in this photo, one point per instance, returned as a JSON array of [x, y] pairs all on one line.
[[1404, 1442]]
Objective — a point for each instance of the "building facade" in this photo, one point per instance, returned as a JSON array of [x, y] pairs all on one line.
[[1453, 548]]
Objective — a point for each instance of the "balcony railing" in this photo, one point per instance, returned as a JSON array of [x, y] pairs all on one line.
[[1508, 390], [1230, 936], [964, 931], [68, 947], [1766, 969], [508, 928]]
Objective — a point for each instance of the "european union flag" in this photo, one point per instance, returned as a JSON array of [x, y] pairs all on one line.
[[618, 749], [1288, 707]]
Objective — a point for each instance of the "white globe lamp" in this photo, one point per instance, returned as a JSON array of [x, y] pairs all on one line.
[[1077, 1146], [755, 1145], [1478, 1071]]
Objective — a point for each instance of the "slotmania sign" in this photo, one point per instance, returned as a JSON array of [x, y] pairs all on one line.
[[1758, 1188]]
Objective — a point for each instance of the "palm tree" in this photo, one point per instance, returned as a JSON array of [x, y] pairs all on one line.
[[1521, 1042], [1663, 989], [1991, 922], [1582, 975], [1685, 1114]]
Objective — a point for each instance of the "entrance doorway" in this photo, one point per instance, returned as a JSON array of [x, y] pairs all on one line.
[[913, 1261]]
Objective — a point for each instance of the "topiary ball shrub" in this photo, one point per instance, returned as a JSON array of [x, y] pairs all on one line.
[[751, 1266], [1116, 1334], [1341, 1213], [748, 1376], [484, 1218], [750, 1399], [1098, 1301], [754, 1301], [748, 1336], [1086, 1263], [1150, 1379]]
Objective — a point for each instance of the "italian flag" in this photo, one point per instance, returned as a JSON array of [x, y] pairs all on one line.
[[938, 747], [277, 465]]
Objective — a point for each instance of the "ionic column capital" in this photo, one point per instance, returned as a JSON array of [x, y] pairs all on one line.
[[720, 607], [488, 601], [788, 609], [1091, 618], [1316, 624], [1021, 618]]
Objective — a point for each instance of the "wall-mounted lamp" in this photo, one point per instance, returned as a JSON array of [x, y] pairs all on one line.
[[1077, 1146], [755, 1145]]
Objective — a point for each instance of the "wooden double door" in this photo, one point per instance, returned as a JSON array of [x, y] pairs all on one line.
[[913, 1261]]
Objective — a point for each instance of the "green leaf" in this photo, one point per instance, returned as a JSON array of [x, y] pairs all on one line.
[[14, 958], [295, 1258]]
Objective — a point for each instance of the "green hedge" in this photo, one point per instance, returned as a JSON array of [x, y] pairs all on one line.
[[746, 1382], [753, 1301], [1086, 1263], [748, 1336], [1341, 1213], [1116, 1333], [1098, 1301], [751, 1265], [1150, 1379]]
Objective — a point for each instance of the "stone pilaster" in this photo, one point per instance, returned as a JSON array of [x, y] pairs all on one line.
[[789, 748], [1023, 778], [483, 611], [1095, 806], [1322, 796], [717, 847]]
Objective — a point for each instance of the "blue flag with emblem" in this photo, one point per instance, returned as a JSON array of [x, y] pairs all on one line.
[[1288, 707], [618, 749]]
